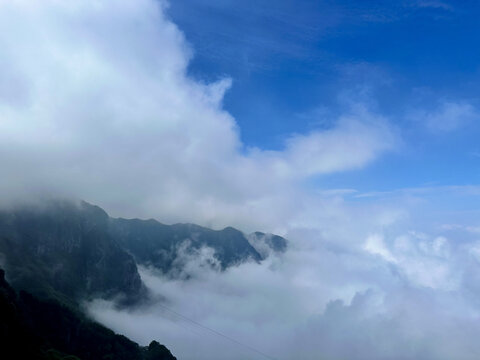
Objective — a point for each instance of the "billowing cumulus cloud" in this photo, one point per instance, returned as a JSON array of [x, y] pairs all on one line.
[[95, 101]]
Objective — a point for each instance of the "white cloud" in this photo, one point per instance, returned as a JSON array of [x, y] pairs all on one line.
[[449, 116], [95, 102], [375, 245], [341, 291], [316, 300], [434, 4]]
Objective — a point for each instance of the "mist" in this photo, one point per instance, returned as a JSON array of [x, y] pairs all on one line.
[[409, 297]]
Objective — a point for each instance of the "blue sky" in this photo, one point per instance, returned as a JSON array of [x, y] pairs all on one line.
[[296, 65]]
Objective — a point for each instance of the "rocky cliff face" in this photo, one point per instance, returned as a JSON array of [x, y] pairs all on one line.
[[74, 251], [66, 249]]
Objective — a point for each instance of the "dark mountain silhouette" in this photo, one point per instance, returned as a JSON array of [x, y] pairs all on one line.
[[48, 330], [159, 245], [64, 250]]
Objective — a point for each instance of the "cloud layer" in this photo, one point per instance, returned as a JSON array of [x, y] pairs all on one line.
[[404, 296]]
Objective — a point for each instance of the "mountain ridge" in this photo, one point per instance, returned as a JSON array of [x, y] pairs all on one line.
[[60, 253]]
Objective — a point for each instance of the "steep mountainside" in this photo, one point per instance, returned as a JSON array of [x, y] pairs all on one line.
[[60, 253], [159, 245], [47, 330], [265, 244], [62, 249], [72, 251]]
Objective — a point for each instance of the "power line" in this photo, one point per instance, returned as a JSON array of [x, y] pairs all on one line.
[[215, 332]]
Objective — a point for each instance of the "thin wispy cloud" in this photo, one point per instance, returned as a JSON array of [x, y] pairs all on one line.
[[450, 116], [434, 5]]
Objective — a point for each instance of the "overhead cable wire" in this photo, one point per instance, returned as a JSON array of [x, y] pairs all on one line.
[[215, 332]]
